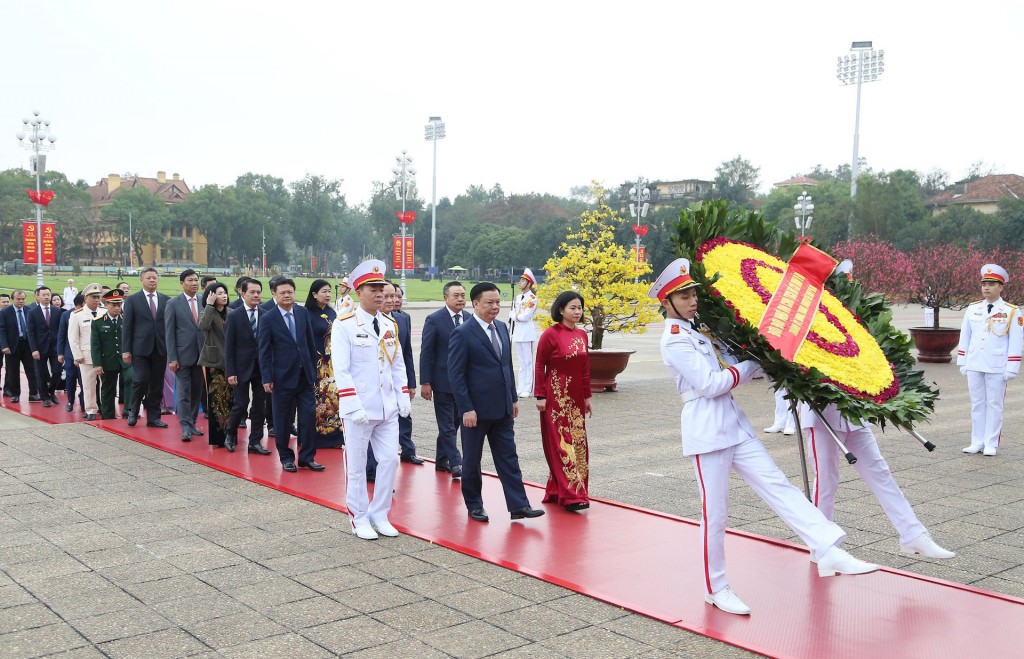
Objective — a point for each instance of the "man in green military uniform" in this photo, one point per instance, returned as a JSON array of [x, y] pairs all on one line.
[[106, 354]]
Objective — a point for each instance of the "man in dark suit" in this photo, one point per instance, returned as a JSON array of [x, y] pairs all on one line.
[[240, 290], [144, 347], [184, 343], [43, 325], [287, 350], [269, 409], [242, 368], [434, 382], [480, 369], [14, 343]]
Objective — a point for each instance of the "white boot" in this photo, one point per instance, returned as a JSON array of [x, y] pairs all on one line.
[[364, 531], [789, 430], [385, 529], [974, 448], [990, 450], [837, 561], [728, 601], [924, 545], [773, 429]]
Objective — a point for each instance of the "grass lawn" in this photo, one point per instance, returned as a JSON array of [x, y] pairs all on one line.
[[416, 290]]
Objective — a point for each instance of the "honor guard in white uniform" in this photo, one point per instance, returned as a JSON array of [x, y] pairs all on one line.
[[989, 355], [80, 338], [719, 438], [524, 334], [373, 390], [825, 454], [344, 303]]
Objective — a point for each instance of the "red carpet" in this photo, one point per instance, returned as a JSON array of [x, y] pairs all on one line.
[[649, 562]]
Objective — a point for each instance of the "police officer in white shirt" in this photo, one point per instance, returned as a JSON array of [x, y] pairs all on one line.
[[524, 334], [719, 438], [989, 355], [373, 390]]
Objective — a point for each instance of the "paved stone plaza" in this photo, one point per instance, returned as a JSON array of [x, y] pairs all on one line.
[[111, 548]]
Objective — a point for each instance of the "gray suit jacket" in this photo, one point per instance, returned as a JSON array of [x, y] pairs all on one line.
[[184, 340]]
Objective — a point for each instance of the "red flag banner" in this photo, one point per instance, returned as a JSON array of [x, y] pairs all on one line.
[[49, 243], [410, 251], [29, 242], [787, 320], [396, 252]]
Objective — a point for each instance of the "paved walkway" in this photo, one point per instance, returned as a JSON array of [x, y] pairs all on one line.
[[110, 548]]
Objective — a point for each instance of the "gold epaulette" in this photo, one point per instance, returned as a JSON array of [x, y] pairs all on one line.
[[77, 310], [1012, 306], [350, 314]]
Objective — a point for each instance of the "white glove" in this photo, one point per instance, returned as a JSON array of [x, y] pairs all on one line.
[[1008, 376], [360, 418], [404, 406], [963, 370]]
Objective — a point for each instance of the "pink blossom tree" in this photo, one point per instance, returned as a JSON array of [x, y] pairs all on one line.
[[878, 266], [946, 276]]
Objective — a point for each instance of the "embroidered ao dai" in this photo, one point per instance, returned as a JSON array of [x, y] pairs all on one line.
[[562, 378]]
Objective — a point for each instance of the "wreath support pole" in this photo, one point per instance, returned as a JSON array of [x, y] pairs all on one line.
[[916, 435], [800, 446], [850, 457]]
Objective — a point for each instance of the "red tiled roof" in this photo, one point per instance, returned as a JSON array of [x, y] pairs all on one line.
[[797, 180], [170, 191], [984, 189]]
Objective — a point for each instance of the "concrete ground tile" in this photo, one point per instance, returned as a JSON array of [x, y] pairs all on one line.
[[310, 612], [236, 576], [288, 645], [323, 538], [67, 585], [276, 548], [422, 616], [595, 642], [171, 588], [486, 573], [530, 651], [78, 653], [296, 564], [101, 540], [52, 568], [123, 555], [165, 644], [472, 639], [338, 578], [193, 610], [234, 629], [349, 635], [40, 641], [19, 538], [24, 499], [238, 536], [92, 603], [27, 553], [26, 616], [270, 593], [403, 649], [533, 589], [203, 561], [121, 624], [436, 585], [646, 631], [587, 609], [146, 570], [376, 597], [486, 601], [359, 551], [536, 622], [441, 556], [186, 544], [1012, 588]]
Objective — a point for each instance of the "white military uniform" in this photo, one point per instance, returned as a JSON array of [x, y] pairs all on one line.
[[784, 421], [989, 354], [524, 334], [871, 466], [80, 338], [370, 374], [344, 305]]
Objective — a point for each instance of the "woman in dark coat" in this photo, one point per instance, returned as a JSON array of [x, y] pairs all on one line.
[[218, 391], [328, 432]]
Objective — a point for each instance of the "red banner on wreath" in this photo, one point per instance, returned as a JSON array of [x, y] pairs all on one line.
[[396, 252], [790, 312]]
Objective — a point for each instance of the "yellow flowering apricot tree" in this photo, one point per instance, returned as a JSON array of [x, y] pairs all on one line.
[[591, 263]]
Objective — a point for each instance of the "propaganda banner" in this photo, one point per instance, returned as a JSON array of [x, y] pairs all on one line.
[[787, 320], [396, 252]]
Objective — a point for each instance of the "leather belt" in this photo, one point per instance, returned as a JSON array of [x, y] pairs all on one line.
[[690, 395]]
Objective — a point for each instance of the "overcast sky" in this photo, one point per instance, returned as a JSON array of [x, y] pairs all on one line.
[[536, 96]]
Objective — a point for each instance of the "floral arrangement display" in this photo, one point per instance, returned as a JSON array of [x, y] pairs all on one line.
[[852, 357]]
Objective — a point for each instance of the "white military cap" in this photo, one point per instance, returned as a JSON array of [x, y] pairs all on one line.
[[675, 277], [528, 276], [370, 271], [993, 272]]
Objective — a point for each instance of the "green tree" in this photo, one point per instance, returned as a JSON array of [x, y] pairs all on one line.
[[737, 180]]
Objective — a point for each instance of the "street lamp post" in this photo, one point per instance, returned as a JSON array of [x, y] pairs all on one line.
[[804, 213], [403, 171], [864, 65], [38, 133], [639, 198], [434, 131]]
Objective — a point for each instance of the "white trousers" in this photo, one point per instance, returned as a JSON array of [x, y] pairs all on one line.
[[383, 437], [871, 466], [987, 393], [753, 464], [90, 376], [524, 353], [784, 417]]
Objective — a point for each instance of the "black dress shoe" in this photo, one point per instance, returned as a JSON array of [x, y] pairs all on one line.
[[456, 472], [156, 424], [289, 466], [69, 407], [53, 399], [270, 431], [258, 449], [7, 392], [573, 507], [412, 459], [442, 466], [132, 419], [186, 438], [90, 417], [47, 403], [197, 432], [15, 399], [34, 398], [479, 515], [525, 512], [230, 443], [312, 466]]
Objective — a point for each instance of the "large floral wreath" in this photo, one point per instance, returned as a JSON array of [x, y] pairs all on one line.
[[852, 357]]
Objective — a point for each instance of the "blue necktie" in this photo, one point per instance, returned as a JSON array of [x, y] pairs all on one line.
[[494, 340], [252, 320], [291, 325]]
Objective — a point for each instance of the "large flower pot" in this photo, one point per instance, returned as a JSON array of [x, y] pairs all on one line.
[[935, 345], [605, 365]]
